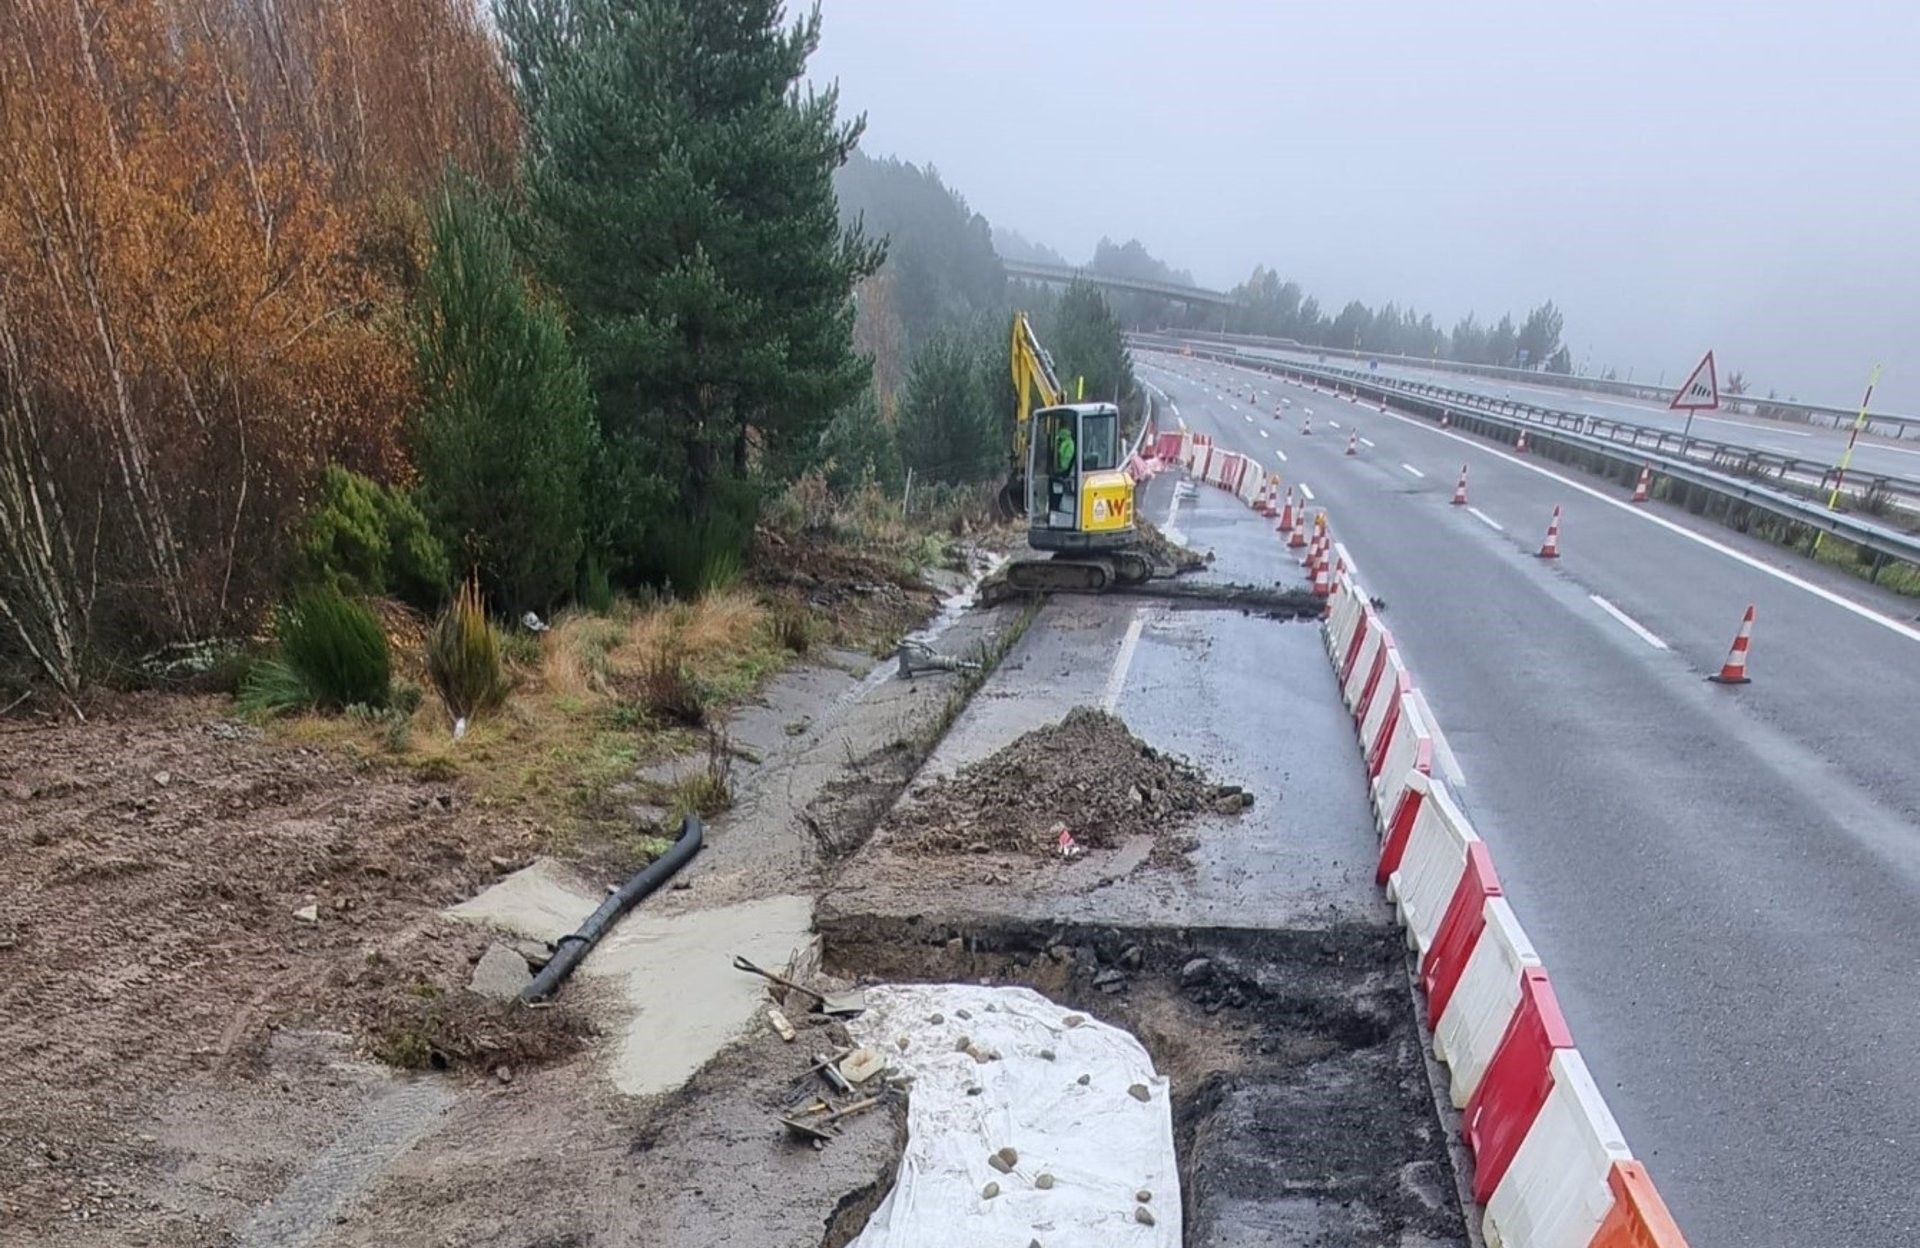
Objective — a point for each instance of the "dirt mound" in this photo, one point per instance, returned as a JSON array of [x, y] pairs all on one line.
[[1168, 559], [1087, 772]]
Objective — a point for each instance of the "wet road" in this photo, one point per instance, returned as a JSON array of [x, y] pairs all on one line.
[[1724, 882], [1814, 443]]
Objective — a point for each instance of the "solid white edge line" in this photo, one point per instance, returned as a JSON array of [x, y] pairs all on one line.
[[1306, 491], [1486, 519], [1117, 677], [1415, 471], [1640, 630], [1778, 574]]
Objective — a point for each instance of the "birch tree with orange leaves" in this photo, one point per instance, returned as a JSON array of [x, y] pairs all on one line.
[[207, 228]]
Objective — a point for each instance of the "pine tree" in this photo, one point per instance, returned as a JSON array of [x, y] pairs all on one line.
[[948, 432], [681, 181], [506, 435], [1087, 344]]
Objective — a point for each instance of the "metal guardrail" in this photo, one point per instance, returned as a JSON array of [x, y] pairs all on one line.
[[1735, 457], [1884, 542], [1887, 424]]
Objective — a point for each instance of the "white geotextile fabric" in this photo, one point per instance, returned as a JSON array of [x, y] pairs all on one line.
[[1099, 1143]]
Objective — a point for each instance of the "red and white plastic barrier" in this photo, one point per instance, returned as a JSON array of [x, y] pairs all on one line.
[[1556, 1188], [1430, 869], [1550, 1166]]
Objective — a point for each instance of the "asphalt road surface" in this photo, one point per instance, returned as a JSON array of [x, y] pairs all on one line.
[[1816, 443], [1723, 882]]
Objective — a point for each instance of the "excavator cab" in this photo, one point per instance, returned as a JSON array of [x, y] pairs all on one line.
[[1078, 498]]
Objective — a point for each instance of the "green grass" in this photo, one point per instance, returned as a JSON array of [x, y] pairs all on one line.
[[1901, 578]]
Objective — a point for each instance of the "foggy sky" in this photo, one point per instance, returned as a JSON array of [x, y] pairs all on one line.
[[1676, 175]]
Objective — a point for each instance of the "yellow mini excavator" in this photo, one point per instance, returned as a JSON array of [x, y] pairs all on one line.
[[1069, 475]]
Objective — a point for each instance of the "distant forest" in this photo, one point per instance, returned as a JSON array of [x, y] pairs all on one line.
[[944, 261]]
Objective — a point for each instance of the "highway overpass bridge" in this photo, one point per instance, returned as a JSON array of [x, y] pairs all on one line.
[[1062, 275]]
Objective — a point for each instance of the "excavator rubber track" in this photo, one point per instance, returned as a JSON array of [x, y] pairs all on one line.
[[1079, 574]]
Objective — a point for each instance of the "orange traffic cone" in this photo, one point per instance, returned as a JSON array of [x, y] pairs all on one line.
[[1306, 426], [1263, 500], [1550, 549], [1643, 485], [1383, 402], [1353, 447], [1460, 490], [1299, 538], [1446, 420], [1520, 447], [1734, 670], [1322, 580], [1286, 514]]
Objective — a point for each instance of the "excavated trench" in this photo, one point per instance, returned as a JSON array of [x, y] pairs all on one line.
[[1302, 1111]]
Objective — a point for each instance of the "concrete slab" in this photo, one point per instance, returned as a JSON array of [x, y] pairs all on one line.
[[680, 1000], [1252, 699]]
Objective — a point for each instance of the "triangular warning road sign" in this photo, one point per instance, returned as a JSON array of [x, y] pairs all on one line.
[[1699, 392]]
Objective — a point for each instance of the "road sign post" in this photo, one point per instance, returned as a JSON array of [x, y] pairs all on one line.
[[1700, 392]]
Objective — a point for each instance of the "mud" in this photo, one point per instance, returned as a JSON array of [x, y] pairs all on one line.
[[1302, 1112], [1169, 558], [1086, 773]]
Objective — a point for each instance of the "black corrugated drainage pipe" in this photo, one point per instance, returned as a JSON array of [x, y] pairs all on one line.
[[570, 951]]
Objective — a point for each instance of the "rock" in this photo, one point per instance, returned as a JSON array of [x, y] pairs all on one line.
[[862, 1065], [308, 914], [1108, 976], [503, 1073], [974, 1089], [1196, 971], [1044, 1182], [1139, 1092], [500, 974], [1046, 1055], [902, 1042], [681, 885], [1073, 1020], [938, 1019], [962, 1014], [989, 1191], [537, 952], [1143, 1195], [1000, 1163], [1084, 1080], [978, 847], [500, 863], [163, 778], [1060, 953], [1010, 1155], [963, 1044], [1131, 957], [1143, 1215]]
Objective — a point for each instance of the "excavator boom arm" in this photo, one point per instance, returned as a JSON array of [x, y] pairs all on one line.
[[1034, 386]]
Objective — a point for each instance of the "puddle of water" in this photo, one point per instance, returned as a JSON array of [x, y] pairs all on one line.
[[952, 608]]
